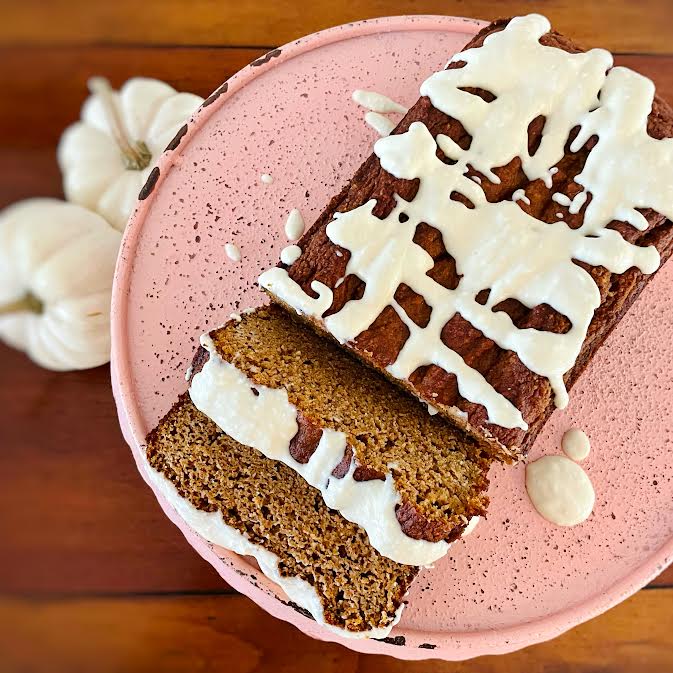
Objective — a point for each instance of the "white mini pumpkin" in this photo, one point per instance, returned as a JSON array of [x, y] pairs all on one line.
[[106, 157], [57, 260]]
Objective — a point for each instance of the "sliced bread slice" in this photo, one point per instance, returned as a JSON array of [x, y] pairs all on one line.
[[234, 497], [408, 478]]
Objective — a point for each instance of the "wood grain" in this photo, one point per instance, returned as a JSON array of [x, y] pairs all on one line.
[[35, 110], [643, 26], [75, 516], [51, 98], [230, 633]]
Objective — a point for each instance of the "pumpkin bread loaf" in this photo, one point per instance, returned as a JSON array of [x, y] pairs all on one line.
[[324, 263]]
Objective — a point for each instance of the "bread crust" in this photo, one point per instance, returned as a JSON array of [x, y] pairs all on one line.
[[379, 345]]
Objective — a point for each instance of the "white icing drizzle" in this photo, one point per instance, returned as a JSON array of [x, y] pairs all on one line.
[[377, 102], [233, 252], [520, 195], [560, 490], [267, 421], [561, 199], [294, 225], [266, 178], [382, 125], [278, 282], [256, 416], [548, 179], [575, 444], [577, 203], [290, 254], [627, 169], [212, 528], [472, 524], [528, 80], [432, 410], [459, 413], [498, 246]]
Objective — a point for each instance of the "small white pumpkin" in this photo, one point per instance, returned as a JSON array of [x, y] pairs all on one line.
[[56, 266], [106, 157]]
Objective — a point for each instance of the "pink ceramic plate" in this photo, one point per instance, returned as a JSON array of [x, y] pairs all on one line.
[[518, 579]]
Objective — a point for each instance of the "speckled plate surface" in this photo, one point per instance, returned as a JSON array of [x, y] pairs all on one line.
[[517, 579]]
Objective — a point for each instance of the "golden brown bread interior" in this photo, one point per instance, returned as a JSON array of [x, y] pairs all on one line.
[[439, 471], [275, 508]]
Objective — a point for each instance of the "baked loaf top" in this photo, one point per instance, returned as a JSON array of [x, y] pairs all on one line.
[[412, 481], [484, 252], [234, 497]]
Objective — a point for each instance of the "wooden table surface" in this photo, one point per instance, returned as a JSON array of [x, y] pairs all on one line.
[[92, 576]]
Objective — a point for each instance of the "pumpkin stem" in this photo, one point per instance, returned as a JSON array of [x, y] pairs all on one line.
[[135, 155], [29, 302]]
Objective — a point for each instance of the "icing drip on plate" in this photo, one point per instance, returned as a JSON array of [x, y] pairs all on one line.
[[560, 490], [498, 246], [294, 225], [377, 102], [472, 524], [378, 105], [576, 444], [233, 252], [264, 419], [382, 125]]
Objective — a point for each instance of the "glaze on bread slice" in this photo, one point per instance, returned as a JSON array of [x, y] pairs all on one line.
[[410, 479], [236, 498]]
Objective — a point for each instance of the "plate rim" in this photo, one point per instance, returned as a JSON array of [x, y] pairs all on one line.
[[450, 646]]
